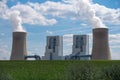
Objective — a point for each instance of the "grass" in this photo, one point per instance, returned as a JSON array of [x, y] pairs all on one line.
[[52, 70]]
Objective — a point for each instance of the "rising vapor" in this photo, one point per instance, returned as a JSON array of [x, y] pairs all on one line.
[[16, 21], [37, 13], [85, 9]]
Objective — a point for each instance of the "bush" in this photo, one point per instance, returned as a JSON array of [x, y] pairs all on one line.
[[60, 70], [83, 72], [4, 75], [112, 72]]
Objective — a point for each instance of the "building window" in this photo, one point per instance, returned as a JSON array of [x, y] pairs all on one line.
[[52, 43], [51, 56], [81, 38], [81, 49], [79, 42]]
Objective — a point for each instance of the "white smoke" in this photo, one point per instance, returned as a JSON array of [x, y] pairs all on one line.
[[16, 21], [72, 9], [84, 8]]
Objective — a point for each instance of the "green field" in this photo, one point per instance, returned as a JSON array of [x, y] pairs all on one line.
[[58, 70]]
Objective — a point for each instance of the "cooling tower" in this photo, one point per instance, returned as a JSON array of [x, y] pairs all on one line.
[[100, 50], [19, 46]]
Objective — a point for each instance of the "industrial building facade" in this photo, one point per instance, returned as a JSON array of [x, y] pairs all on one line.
[[80, 44], [54, 48], [80, 48]]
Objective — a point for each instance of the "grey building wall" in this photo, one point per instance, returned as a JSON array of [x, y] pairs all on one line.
[[80, 48], [54, 48], [80, 44], [19, 49]]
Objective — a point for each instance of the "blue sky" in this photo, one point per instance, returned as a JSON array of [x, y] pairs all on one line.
[[57, 18]]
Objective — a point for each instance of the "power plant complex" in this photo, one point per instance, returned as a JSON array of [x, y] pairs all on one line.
[[54, 47]]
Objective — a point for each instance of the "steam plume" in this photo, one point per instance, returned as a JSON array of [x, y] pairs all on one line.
[[85, 9], [16, 21]]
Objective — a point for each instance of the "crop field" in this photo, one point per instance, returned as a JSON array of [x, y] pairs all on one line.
[[60, 70]]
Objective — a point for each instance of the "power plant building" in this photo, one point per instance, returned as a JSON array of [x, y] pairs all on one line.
[[100, 50], [19, 50], [80, 48], [80, 44], [54, 48]]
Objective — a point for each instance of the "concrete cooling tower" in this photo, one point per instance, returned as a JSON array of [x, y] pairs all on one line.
[[19, 46], [100, 50]]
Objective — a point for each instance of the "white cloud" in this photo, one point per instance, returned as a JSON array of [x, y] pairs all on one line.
[[3, 8], [4, 53], [115, 46], [115, 39], [83, 25], [28, 14], [31, 16], [71, 9], [108, 15], [49, 32], [67, 42], [115, 56], [68, 37], [2, 34], [36, 13]]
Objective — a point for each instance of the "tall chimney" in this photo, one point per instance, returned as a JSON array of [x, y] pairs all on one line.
[[19, 46], [100, 50]]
